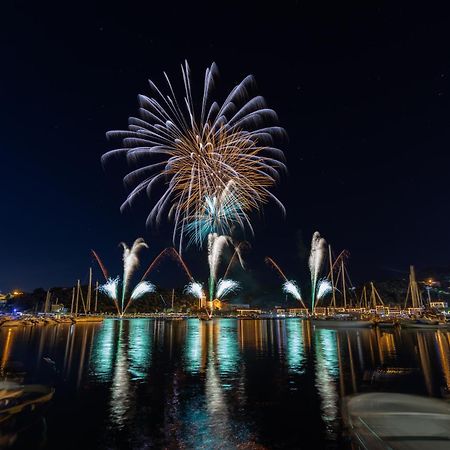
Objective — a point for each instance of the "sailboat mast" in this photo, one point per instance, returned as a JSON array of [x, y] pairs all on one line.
[[365, 297], [332, 276], [343, 283], [73, 299], [78, 297], [173, 294], [89, 292], [96, 295]]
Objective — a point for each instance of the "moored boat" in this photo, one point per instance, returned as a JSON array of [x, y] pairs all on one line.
[[15, 398], [397, 421]]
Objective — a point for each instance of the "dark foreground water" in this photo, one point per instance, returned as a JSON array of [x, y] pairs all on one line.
[[226, 383]]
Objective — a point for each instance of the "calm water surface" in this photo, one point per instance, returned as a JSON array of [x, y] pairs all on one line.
[[225, 383]]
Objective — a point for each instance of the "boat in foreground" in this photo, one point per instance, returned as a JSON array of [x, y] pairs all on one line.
[[15, 398], [397, 421]]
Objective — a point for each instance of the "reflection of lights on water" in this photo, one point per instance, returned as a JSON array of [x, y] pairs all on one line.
[[104, 348], [444, 355], [295, 345], [193, 347], [228, 348], [121, 394], [327, 372], [139, 347]]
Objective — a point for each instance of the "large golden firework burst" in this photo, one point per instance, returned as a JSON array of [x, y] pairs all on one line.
[[216, 167]]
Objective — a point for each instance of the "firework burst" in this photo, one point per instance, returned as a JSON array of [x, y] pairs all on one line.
[[200, 153]]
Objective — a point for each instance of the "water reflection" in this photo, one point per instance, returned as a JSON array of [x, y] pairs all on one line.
[[295, 346], [328, 369], [222, 383]]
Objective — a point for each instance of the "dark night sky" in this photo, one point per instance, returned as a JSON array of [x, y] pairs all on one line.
[[363, 93]]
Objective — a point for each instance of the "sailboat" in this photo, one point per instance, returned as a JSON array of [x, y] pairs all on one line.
[[416, 310], [346, 316], [87, 317]]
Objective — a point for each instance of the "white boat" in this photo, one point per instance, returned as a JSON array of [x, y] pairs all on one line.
[[397, 421]]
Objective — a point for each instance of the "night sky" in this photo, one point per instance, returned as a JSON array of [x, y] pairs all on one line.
[[363, 93]]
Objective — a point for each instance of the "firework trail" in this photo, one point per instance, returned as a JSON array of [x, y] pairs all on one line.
[[316, 259], [195, 289], [100, 263], [130, 263], [274, 265], [225, 287], [170, 251], [225, 148], [237, 252], [216, 245], [111, 289]]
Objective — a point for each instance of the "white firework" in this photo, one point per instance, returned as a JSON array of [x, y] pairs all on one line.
[[316, 259], [195, 289], [225, 287], [130, 262], [324, 288], [290, 287], [110, 288], [144, 287]]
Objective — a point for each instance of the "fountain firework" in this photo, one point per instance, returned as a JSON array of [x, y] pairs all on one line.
[[289, 286], [316, 259], [130, 262], [216, 245]]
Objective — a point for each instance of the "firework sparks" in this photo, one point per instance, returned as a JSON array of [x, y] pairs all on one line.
[[111, 290], [202, 156], [324, 288], [218, 216], [316, 259], [225, 287], [142, 288], [290, 287], [195, 289]]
